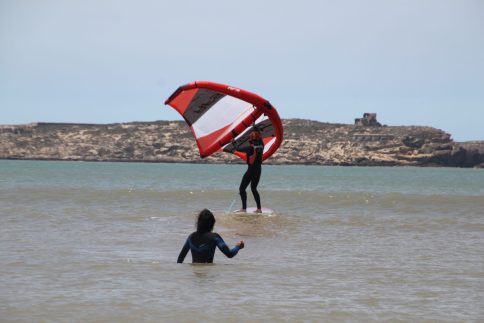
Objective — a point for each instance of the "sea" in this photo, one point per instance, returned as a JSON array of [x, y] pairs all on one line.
[[98, 242]]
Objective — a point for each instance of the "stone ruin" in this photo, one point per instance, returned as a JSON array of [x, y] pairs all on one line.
[[369, 119]]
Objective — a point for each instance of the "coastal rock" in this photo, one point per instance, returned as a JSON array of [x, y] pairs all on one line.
[[305, 142]]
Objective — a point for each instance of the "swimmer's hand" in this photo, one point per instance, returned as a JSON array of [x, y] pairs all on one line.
[[241, 244]]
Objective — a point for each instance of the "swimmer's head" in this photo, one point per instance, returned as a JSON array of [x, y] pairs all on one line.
[[205, 221]]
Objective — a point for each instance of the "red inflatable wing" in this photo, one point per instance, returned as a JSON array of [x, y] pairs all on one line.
[[218, 114]]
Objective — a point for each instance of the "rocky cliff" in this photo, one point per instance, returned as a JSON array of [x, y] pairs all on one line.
[[305, 142]]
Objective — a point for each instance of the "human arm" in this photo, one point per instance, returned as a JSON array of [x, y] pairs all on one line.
[[225, 249], [244, 149], [183, 252]]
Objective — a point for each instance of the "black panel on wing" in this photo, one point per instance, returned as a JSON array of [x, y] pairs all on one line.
[[201, 103]]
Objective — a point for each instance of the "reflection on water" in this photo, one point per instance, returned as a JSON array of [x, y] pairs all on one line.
[[203, 275]]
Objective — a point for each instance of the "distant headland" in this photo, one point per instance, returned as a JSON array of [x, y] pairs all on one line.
[[306, 142]]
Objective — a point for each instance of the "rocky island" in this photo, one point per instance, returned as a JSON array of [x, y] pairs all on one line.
[[365, 143]]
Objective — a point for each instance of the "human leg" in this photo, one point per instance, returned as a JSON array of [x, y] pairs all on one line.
[[243, 185], [253, 186]]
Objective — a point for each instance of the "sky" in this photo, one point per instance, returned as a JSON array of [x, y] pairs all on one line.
[[413, 62]]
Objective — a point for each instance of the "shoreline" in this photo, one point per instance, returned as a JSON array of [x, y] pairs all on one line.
[[232, 163]]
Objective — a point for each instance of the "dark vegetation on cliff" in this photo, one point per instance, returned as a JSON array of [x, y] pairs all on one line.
[[305, 142]]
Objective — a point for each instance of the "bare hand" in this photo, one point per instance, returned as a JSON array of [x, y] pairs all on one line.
[[241, 244]]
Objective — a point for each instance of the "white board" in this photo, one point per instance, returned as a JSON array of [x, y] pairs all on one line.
[[251, 211]]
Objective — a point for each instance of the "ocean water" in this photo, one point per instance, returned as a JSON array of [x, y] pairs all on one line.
[[98, 242]]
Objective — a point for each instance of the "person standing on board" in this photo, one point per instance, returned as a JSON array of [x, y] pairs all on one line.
[[202, 242], [252, 175]]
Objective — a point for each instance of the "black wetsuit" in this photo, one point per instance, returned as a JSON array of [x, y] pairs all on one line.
[[252, 175], [203, 247]]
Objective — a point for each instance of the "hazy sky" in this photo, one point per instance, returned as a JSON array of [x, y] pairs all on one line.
[[414, 62]]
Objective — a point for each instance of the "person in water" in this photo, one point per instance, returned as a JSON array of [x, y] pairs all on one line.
[[202, 242], [252, 175]]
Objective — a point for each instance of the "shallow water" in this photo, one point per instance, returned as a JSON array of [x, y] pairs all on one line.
[[99, 241]]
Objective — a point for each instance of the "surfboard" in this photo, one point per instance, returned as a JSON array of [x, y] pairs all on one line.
[[251, 211]]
